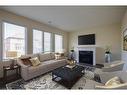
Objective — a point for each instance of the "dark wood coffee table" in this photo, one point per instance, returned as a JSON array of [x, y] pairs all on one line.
[[67, 76]]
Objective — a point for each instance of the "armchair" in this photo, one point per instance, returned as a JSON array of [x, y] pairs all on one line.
[[105, 76], [113, 66]]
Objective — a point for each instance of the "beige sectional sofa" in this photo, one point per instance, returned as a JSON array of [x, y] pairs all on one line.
[[48, 63], [113, 66]]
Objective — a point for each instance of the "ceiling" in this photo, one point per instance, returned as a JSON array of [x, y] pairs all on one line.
[[71, 18]]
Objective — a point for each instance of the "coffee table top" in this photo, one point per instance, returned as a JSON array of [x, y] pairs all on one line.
[[68, 73]]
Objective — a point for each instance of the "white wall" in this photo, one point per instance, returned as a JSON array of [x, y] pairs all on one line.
[[105, 35], [29, 24]]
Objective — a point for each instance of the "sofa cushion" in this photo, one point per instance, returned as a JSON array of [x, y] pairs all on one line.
[[54, 61], [37, 69], [53, 64], [45, 57], [33, 69]]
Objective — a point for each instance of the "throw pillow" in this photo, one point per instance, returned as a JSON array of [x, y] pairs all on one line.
[[26, 61], [59, 56], [35, 61], [113, 81]]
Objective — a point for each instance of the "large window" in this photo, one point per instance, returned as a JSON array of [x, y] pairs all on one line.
[[47, 42], [37, 41], [58, 43], [13, 40]]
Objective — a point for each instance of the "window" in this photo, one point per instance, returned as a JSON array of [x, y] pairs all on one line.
[[58, 43], [47, 42], [37, 41], [13, 40]]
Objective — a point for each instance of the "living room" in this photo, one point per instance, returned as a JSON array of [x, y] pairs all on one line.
[[57, 29]]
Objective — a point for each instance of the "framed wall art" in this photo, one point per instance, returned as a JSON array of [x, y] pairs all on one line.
[[125, 40]]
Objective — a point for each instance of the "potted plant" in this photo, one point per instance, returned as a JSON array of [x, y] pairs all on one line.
[[72, 49], [72, 53], [107, 54], [107, 50]]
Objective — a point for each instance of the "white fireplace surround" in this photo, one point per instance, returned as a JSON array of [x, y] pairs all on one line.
[[87, 48]]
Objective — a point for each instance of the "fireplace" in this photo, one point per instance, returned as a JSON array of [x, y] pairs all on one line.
[[86, 57]]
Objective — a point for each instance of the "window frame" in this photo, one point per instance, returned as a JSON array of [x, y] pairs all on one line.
[[62, 41], [42, 39], [2, 41], [50, 42]]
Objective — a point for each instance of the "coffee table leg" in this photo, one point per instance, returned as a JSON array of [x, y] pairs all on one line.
[[5, 76]]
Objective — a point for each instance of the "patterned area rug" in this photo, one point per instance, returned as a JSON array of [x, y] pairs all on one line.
[[43, 82]]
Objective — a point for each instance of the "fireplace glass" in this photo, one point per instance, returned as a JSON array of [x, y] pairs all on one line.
[[86, 57]]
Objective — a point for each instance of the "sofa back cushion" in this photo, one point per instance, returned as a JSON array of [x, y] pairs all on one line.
[[29, 55], [52, 55], [45, 57]]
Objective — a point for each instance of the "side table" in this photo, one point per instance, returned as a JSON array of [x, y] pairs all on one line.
[[9, 78]]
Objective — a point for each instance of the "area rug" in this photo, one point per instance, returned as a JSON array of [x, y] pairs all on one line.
[[43, 82]]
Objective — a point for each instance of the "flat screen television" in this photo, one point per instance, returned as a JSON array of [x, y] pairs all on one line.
[[86, 39]]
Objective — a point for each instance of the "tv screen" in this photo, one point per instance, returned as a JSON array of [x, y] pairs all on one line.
[[86, 39]]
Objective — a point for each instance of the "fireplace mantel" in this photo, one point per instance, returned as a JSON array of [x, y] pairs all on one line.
[[87, 48]]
